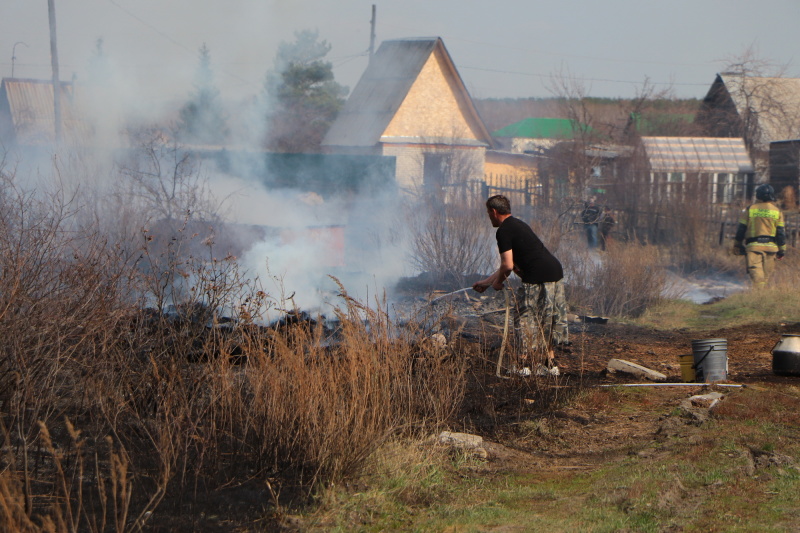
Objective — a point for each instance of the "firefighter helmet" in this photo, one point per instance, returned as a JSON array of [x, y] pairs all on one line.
[[765, 193]]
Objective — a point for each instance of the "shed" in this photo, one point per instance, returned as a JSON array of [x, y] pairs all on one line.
[[720, 166], [27, 115], [411, 103], [784, 166]]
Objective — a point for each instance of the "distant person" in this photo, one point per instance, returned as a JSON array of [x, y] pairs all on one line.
[[761, 236], [540, 318], [607, 222], [590, 216]]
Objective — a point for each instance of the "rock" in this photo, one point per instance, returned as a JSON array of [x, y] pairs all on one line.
[[705, 401], [460, 440], [479, 453], [626, 367], [465, 442]]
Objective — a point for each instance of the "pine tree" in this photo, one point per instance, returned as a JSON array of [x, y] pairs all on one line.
[[303, 95], [202, 119]]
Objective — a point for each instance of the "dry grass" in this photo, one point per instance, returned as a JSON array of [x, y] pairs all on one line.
[[623, 282], [112, 412]]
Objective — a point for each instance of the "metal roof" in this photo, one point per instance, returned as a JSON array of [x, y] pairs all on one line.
[[697, 154], [28, 105], [382, 88], [775, 101]]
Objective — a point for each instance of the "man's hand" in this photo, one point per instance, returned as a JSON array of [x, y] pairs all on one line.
[[492, 281], [738, 249], [780, 254], [480, 286]]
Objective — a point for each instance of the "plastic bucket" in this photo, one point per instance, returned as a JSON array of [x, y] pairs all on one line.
[[687, 368], [710, 359]]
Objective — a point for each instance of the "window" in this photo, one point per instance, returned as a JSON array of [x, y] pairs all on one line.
[[434, 173]]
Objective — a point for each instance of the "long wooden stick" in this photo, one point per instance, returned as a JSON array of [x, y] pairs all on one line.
[[505, 334]]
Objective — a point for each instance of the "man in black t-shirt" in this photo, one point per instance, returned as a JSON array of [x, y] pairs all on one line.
[[540, 320]]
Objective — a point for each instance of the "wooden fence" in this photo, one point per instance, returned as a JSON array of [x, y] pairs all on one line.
[[721, 220]]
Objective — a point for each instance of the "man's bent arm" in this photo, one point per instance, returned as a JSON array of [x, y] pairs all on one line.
[[500, 275]]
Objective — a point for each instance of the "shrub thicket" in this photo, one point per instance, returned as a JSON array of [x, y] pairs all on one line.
[[136, 378]]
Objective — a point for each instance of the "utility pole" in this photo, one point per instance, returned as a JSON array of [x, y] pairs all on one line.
[[51, 9], [372, 34]]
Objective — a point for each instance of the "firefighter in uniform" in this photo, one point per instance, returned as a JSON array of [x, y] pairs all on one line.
[[761, 236]]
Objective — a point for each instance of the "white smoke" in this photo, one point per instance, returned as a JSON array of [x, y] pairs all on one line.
[[358, 240]]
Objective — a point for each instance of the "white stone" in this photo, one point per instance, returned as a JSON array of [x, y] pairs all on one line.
[[626, 367], [460, 440]]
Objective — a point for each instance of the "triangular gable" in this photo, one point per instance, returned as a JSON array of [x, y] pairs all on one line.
[[774, 100], [410, 92], [28, 117]]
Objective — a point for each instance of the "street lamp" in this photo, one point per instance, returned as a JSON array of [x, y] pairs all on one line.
[[14, 55]]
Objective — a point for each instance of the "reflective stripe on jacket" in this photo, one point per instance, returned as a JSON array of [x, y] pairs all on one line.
[[761, 227]]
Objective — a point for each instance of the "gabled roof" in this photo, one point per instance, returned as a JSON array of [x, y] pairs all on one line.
[[542, 128], [776, 101], [697, 154], [384, 86], [28, 117]]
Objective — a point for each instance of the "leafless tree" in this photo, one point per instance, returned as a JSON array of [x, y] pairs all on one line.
[[164, 180], [450, 235], [757, 103]]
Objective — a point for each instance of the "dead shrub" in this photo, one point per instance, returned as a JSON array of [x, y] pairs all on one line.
[[622, 282], [451, 241], [197, 394]]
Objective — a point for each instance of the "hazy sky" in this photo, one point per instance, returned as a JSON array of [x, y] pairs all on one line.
[[501, 48]]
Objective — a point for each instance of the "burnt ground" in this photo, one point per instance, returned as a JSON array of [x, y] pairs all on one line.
[[560, 422]]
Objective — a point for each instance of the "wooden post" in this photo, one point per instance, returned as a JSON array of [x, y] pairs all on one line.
[[372, 34], [51, 8]]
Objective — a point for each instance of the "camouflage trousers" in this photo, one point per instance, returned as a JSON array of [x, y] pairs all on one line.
[[541, 318]]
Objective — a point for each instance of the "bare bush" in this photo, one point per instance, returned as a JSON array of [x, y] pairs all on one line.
[[194, 397], [623, 282], [163, 181], [451, 241]]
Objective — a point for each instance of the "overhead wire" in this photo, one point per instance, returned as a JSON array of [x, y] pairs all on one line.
[[566, 55], [174, 41]]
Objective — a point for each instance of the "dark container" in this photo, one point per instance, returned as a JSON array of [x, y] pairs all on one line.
[[786, 356]]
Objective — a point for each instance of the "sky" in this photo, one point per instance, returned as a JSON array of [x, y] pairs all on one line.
[[501, 48]]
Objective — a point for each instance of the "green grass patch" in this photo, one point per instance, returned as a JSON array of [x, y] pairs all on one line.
[[709, 479], [775, 304]]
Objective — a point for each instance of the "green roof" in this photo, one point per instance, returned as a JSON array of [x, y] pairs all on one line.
[[541, 128]]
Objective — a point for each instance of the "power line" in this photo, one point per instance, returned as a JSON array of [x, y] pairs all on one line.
[[576, 78], [144, 22], [173, 41], [562, 54]]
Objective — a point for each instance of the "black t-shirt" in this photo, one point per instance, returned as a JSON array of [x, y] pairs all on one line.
[[535, 262]]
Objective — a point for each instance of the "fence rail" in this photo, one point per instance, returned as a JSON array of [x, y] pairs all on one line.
[[721, 220]]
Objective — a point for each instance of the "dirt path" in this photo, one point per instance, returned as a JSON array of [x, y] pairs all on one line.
[[592, 430]]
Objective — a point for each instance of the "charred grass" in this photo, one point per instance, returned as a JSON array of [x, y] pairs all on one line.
[[142, 388]]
